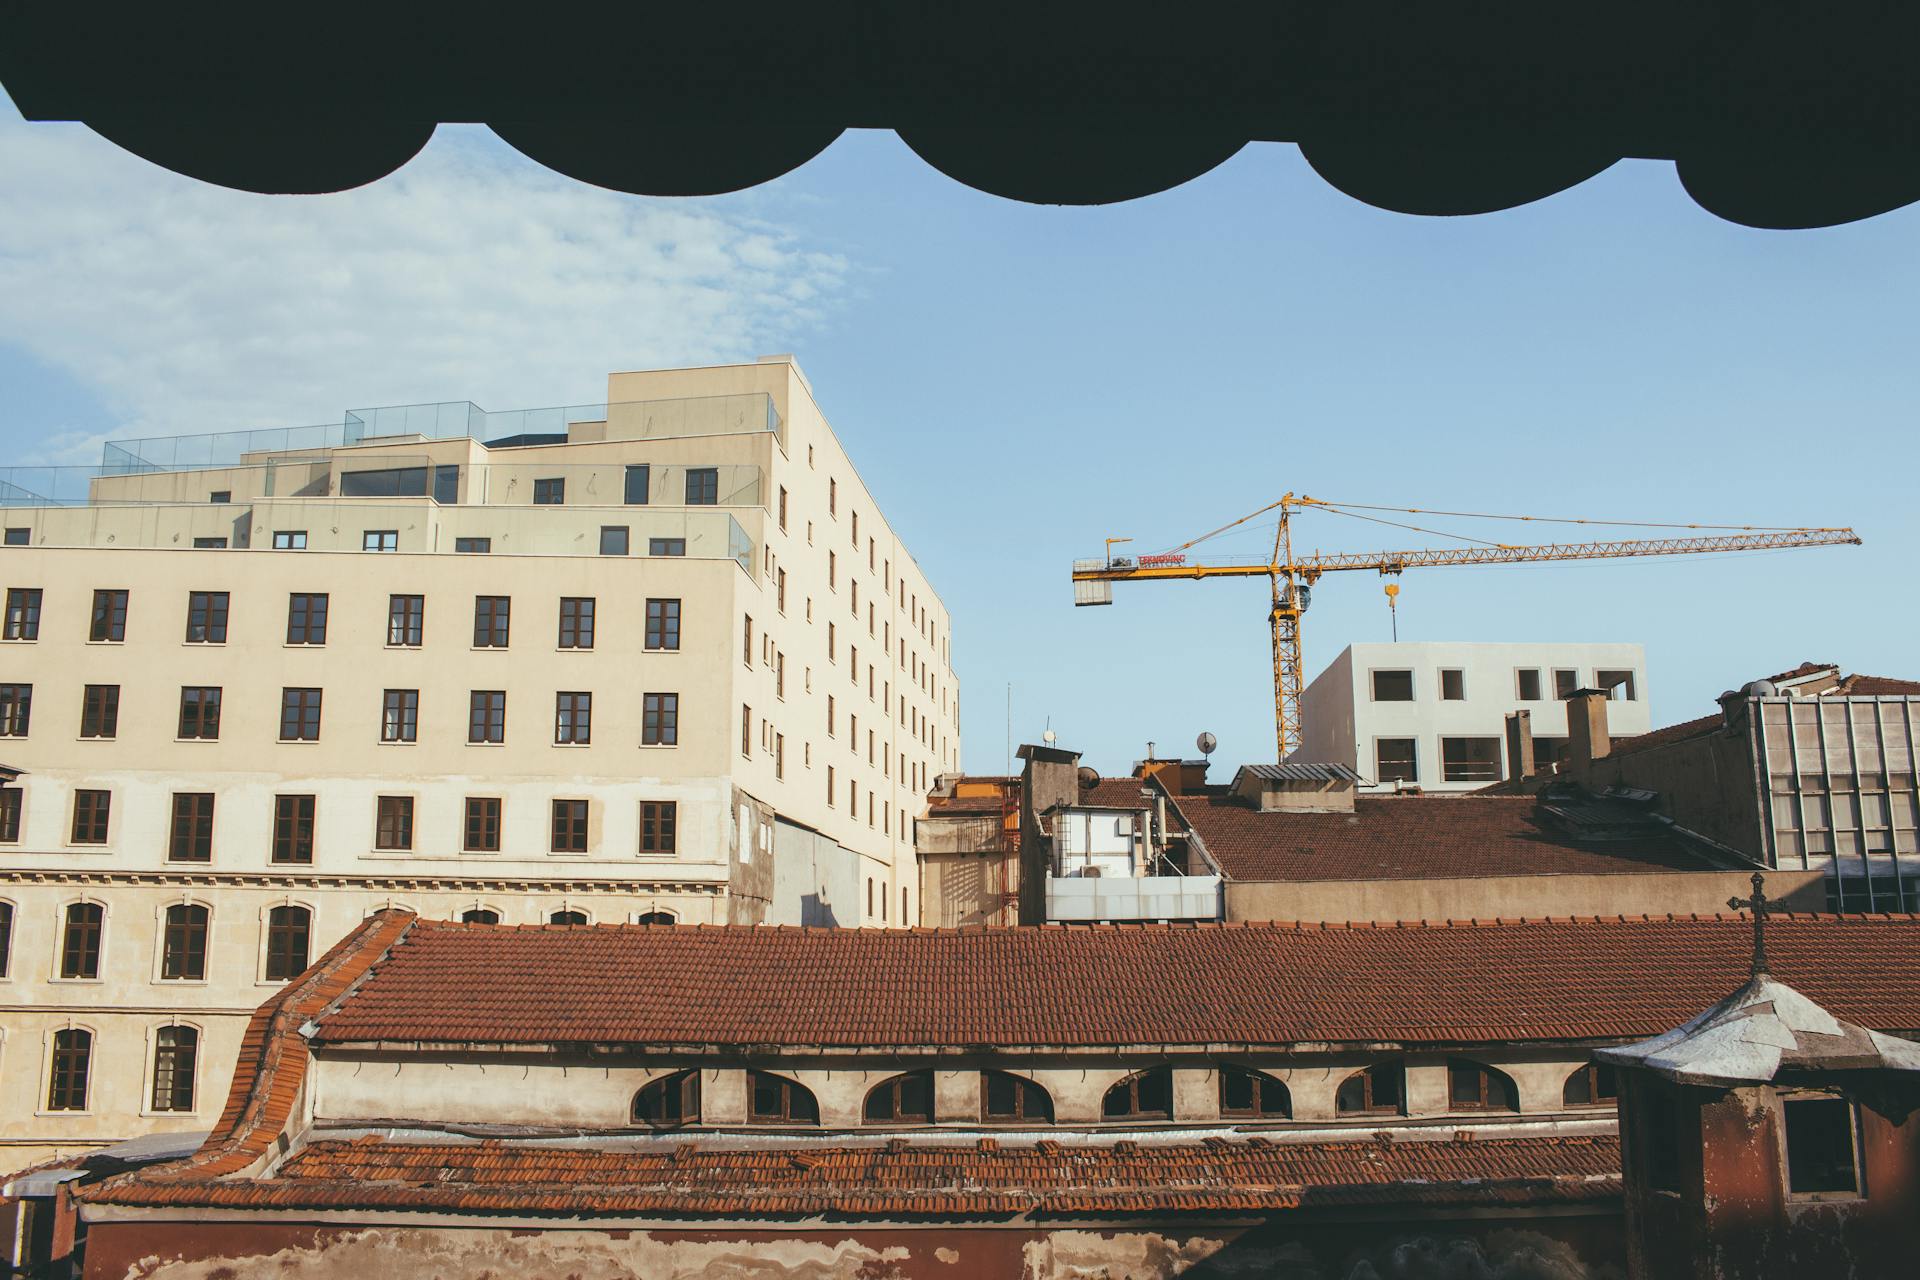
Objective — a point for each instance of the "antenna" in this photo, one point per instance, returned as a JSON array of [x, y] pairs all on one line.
[[1206, 742]]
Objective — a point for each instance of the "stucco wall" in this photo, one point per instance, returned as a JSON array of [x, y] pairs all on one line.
[[1513, 897]]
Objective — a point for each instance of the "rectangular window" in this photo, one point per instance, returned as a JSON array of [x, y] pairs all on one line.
[[660, 720], [1453, 685], [483, 825], [72, 1062], [306, 618], [746, 730], [663, 624], [393, 825], [109, 616], [220, 497], [90, 813], [19, 536], [380, 540], [80, 945], [490, 616], [472, 546], [549, 493], [1820, 1146], [636, 488], [100, 711], [779, 674], [779, 755], [299, 715], [833, 572], [406, 621], [830, 791], [613, 539], [487, 715], [1618, 684], [400, 715], [666, 546], [446, 485], [576, 622], [174, 1052], [746, 641], [290, 540], [23, 613], [191, 836], [573, 718], [1565, 681], [1470, 759], [9, 834], [659, 824], [569, 826], [833, 495], [209, 544], [783, 508], [780, 589], [207, 617], [1527, 684], [293, 830], [1395, 760], [200, 712], [1393, 686], [703, 486], [288, 933]]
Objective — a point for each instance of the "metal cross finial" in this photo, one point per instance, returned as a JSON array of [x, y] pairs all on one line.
[[1759, 905]]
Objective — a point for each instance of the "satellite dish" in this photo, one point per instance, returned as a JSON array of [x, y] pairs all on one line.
[[1049, 737], [1206, 742], [1089, 778]]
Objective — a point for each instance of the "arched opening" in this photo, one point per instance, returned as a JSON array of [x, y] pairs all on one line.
[[1145, 1095], [1250, 1093], [1590, 1085], [1474, 1086], [669, 1101], [1380, 1089], [288, 930], [656, 917], [479, 915], [900, 1098], [567, 917], [1010, 1099], [773, 1099]]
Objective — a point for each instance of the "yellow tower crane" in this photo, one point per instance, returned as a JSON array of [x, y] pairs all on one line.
[[1292, 577]]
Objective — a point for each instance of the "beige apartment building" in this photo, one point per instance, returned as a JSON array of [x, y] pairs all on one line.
[[657, 660]]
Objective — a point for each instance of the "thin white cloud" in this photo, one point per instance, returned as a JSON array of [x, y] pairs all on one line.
[[471, 273]]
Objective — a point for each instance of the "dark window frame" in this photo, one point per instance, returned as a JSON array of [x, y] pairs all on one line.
[[190, 830], [183, 942], [573, 718], [889, 1102], [703, 486], [69, 1069], [109, 620], [663, 624], [1021, 1094], [666, 546], [577, 615], [550, 491], [1597, 1081], [641, 473], [615, 539], [199, 713], [300, 712], [568, 828], [1492, 1090], [400, 715], [289, 940], [480, 829], [176, 1055], [1267, 1097], [659, 826], [1123, 1099], [486, 717], [406, 621], [1369, 1079], [670, 1102], [83, 935], [16, 710], [92, 816], [492, 621], [393, 823], [793, 1103], [23, 613], [1812, 1164], [307, 617], [11, 805], [100, 711], [660, 720], [294, 823]]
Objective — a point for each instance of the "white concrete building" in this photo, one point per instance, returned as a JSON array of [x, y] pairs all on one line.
[[1433, 714]]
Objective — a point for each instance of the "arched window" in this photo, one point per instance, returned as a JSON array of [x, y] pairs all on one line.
[[174, 1052], [80, 947], [72, 1059], [1010, 1099], [1147, 1095], [775, 1099], [288, 930], [1590, 1085], [901, 1098], [1246, 1092], [479, 915], [1379, 1090], [1474, 1086], [567, 917], [668, 1101], [183, 942], [655, 917]]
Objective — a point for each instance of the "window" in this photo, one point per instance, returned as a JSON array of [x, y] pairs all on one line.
[[183, 943], [479, 915], [23, 613], [16, 709], [446, 485], [783, 508], [1009, 1099], [1591, 1085], [833, 495], [220, 496], [576, 622], [1379, 1090], [1470, 759], [1147, 1095], [1473, 1086], [80, 945], [100, 711], [746, 642], [901, 1098], [391, 482], [207, 617], [779, 755], [380, 540], [490, 616], [570, 827], [1527, 684], [1245, 1092], [666, 546], [306, 618], [613, 539], [746, 730], [1820, 1146], [109, 616], [393, 822], [287, 934], [400, 715], [174, 1051], [655, 917], [669, 1101], [703, 486], [830, 791], [780, 590], [290, 540], [406, 620], [775, 1099], [1453, 685], [636, 486], [833, 583], [1618, 684], [659, 724], [550, 492], [19, 536], [300, 715], [472, 546], [1565, 681], [72, 1055], [1393, 686], [6, 938], [1395, 760], [663, 624], [190, 839], [659, 826], [209, 544], [90, 810], [293, 830], [573, 718], [567, 917], [487, 715], [9, 834], [483, 825]]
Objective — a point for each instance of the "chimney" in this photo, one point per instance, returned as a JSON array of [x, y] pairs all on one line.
[[1587, 738], [1520, 745]]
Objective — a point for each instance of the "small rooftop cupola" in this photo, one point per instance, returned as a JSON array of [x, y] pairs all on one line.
[[1766, 1137], [1297, 788]]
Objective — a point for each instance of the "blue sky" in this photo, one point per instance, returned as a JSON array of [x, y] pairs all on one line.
[[1017, 383]]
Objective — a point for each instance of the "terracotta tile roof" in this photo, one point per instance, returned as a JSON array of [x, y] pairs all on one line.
[[1682, 732], [1116, 793], [910, 1179], [1416, 838], [1858, 686], [1257, 984], [1804, 669]]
